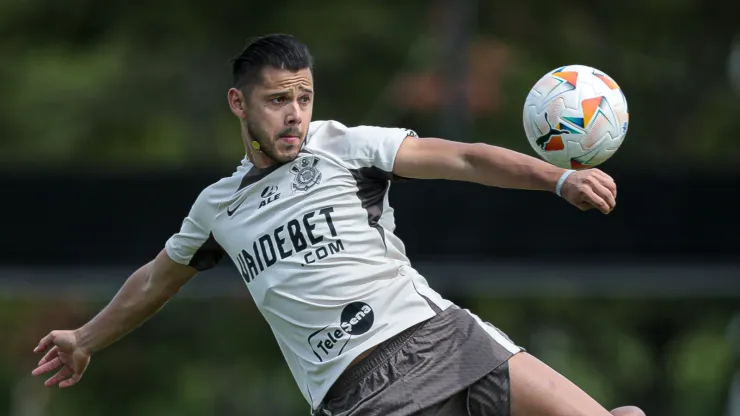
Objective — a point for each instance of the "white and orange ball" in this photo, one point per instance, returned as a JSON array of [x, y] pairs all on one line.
[[576, 117]]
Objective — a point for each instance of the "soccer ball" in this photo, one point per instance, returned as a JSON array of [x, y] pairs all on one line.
[[576, 117]]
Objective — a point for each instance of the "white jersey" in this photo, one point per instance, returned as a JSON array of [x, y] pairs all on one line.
[[313, 240]]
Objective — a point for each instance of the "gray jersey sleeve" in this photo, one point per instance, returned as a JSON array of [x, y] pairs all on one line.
[[194, 244], [361, 146]]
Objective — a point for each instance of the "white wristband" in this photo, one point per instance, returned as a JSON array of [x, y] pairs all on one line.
[[561, 181]]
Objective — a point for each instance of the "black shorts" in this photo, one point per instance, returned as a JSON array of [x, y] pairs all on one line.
[[452, 364]]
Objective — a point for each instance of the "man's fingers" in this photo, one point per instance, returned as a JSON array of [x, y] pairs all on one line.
[[604, 179], [44, 343], [61, 375], [70, 381], [50, 366], [59, 348], [605, 195], [592, 198], [53, 353], [608, 182]]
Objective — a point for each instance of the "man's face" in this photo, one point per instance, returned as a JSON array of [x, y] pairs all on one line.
[[279, 111]]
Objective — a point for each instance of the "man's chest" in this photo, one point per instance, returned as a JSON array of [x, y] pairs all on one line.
[[292, 189], [294, 216]]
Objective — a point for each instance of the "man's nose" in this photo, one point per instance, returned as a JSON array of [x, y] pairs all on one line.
[[293, 117]]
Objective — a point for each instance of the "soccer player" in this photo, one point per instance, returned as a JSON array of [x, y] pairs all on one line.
[[306, 220]]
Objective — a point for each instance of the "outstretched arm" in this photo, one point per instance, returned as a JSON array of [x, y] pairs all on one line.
[[142, 295], [432, 158], [189, 251]]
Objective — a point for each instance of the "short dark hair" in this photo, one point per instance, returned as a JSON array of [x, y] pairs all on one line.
[[278, 51]]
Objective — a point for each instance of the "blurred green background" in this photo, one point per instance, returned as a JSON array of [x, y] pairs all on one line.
[[97, 89], [137, 84]]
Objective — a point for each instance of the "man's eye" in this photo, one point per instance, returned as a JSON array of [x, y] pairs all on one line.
[[278, 100]]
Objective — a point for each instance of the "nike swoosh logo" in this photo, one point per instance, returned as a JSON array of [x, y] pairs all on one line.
[[232, 209]]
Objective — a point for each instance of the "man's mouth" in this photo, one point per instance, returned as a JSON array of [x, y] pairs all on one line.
[[290, 138]]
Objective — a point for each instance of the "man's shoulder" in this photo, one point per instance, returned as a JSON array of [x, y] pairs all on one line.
[[325, 128], [224, 188], [332, 134], [333, 128]]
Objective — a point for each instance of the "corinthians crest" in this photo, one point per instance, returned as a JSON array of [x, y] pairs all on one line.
[[306, 174]]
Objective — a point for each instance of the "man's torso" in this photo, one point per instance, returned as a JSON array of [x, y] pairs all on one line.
[[313, 241]]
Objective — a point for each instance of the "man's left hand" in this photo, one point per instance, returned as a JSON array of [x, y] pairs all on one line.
[[590, 188]]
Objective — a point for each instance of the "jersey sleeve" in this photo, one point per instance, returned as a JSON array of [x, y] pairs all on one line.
[[194, 245], [364, 146], [375, 146]]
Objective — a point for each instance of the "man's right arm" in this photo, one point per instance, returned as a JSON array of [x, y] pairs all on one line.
[[143, 294], [190, 250]]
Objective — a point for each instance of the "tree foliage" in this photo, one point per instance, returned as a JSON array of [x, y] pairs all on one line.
[[142, 84]]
